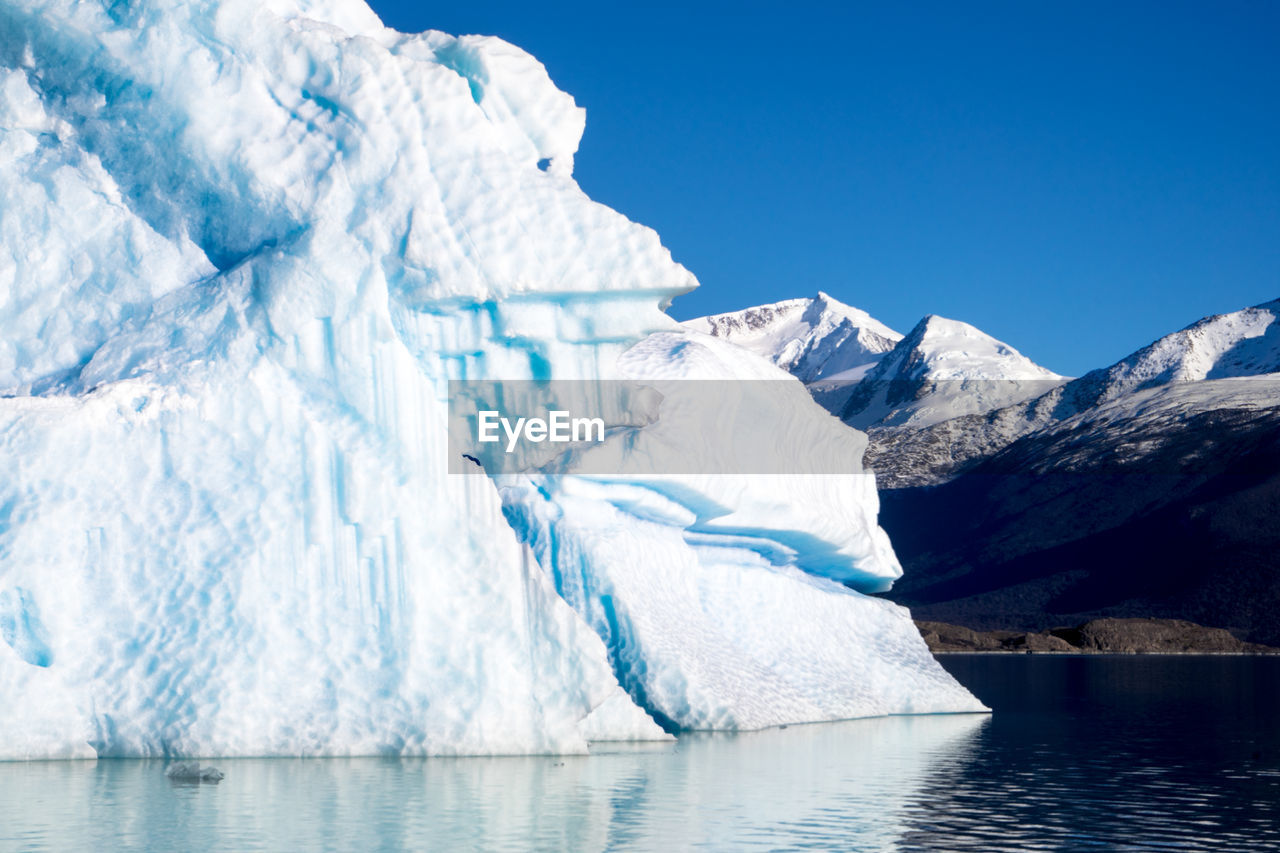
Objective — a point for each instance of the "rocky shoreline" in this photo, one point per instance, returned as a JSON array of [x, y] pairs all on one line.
[[1097, 636]]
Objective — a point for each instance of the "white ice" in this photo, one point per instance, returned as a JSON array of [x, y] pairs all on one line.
[[243, 247], [717, 595]]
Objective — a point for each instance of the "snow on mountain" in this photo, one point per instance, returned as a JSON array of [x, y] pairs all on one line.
[[870, 375], [813, 338], [1241, 343], [1222, 346], [1146, 488], [1236, 346], [244, 247], [942, 369]]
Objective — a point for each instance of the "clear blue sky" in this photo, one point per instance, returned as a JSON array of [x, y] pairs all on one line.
[[1075, 178]]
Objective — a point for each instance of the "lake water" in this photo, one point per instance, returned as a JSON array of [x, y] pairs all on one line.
[[1107, 753]]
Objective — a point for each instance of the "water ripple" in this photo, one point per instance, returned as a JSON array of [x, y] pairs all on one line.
[[1128, 754]]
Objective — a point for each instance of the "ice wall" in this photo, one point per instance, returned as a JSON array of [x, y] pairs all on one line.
[[730, 601], [243, 246]]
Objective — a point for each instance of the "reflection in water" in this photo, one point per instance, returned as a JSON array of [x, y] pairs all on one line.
[[1111, 753], [841, 784]]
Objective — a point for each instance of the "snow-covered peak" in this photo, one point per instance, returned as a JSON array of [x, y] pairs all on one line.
[[1222, 346], [811, 338], [941, 348], [1241, 343], [1167, 375], [941, 369]]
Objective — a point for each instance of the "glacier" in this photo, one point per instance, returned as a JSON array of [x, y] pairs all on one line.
[[244, 246]]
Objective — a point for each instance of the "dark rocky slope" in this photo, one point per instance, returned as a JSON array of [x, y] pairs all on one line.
[[1098, 636], [1170, 511]]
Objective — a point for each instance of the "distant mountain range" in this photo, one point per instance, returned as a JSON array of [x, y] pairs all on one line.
[[1017, 498]]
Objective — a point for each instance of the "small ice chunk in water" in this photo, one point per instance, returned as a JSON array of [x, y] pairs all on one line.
[[191, 771]]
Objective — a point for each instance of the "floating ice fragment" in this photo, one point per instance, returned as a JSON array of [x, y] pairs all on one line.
[[191, 771]]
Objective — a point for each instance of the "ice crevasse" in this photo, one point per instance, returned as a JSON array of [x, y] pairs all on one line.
[[243, 247]]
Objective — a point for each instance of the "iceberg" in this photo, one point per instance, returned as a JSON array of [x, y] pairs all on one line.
[[244, 248]]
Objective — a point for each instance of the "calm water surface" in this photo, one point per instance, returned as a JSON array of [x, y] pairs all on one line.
[[1100, 753]]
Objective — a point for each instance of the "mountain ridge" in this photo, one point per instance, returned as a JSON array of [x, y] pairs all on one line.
[[942, 369], [810, 337], [1148, 488]]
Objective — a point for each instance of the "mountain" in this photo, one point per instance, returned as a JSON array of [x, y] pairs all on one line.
[[1224, 346], [870, 375], [1239, 344], [1019, 499], [814, 338], [250, 253], [1148, 488], [943, 369]]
